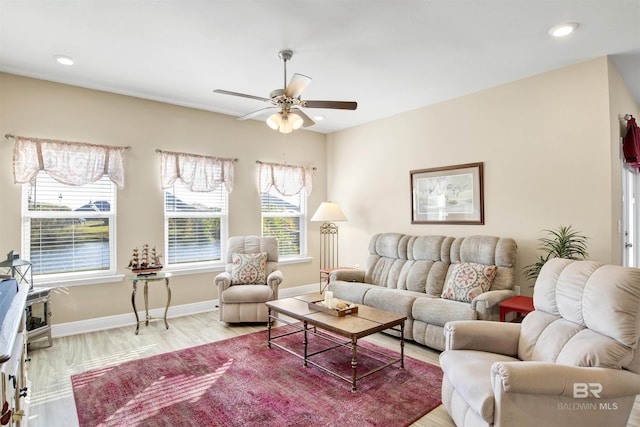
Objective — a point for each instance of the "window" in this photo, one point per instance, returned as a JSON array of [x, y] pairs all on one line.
[[69, 230], [195, 224], [285, 218], [284, 190]]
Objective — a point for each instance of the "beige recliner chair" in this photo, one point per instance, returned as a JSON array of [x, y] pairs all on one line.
[[251, 278], [574, 361]]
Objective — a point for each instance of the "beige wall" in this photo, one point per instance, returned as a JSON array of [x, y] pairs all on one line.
[[48, 110], [548, 150], [549, 143]]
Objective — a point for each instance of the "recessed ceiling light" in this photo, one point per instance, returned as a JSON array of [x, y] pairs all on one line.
[[64, 60], [563, 30]]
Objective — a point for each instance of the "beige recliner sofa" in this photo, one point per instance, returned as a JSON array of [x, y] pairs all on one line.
[[244, 302], [574, 361], [407, 274]]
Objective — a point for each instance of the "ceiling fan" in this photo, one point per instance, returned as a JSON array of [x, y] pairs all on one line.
[[285, 113]]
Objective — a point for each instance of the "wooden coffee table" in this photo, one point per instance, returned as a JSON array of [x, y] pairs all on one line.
[[366, 321]]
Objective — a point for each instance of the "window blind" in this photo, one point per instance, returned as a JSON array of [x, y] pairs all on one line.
[[69, 229], [283, 217], [195, 224]]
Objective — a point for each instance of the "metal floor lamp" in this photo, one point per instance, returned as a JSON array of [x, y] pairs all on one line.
[[328, 213]]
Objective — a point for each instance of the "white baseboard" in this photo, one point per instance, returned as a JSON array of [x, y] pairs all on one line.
[[128, 319]]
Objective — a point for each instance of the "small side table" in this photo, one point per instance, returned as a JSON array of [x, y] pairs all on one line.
[[38, 310], [146, 279], [326, 273], [519, 304]]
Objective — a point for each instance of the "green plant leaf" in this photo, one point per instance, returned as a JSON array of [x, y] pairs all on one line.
[[563, 242]]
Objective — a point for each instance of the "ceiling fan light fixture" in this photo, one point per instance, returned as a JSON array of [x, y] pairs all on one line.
[[285, 122], [274, 121], [295, 120]]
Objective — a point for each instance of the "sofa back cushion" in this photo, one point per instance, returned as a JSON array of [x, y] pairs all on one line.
[[422, 263], [488, 250], [586, 314]]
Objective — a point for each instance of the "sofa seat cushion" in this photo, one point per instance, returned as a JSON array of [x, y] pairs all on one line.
[[351, 291], [469, 372], [393, 300], [438, 311], [246, 293]]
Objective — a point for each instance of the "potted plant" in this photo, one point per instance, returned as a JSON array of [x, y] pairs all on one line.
[[564, 242]]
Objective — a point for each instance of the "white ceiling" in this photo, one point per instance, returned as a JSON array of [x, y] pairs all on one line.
[[389, 55]]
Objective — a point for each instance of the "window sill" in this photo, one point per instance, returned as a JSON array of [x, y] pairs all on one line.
[[183, 271], [218, 268], [176, 271], [294, 260], [78, 281]]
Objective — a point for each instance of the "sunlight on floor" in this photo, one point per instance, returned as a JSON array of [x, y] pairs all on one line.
[[112, 359], [175, 389]]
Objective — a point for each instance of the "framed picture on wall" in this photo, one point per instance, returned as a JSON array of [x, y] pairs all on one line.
[[447, 195]]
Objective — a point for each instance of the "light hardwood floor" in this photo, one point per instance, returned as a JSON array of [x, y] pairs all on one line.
[[50, 369]]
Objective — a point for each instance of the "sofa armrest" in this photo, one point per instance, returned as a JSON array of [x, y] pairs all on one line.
[[491, 298], [222, 281], [273, 281], [560, 380], [347, 275], [482, 335]]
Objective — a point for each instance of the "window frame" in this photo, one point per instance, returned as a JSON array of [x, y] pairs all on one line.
[[224, 231], [76, 277]]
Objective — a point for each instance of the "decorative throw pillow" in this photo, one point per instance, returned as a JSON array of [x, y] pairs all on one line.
[[249, 269], [468, 280]]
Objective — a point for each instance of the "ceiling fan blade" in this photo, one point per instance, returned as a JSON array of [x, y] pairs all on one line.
[[297, 85], [306, 120], [243, 95], [338, 105], [266, 111]]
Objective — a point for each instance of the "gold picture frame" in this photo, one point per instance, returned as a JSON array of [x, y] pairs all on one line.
[[448, 195]]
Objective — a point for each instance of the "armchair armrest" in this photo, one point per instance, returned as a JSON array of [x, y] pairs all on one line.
[[482, 335], [273, 281], [491, 298], [544, 378], [347, 275], [222, 281]]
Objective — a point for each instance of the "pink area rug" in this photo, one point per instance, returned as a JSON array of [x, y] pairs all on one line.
[[241, 382]]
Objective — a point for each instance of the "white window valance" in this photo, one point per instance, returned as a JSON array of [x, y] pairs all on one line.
[[71, 163], [286, 179], [198, 173]]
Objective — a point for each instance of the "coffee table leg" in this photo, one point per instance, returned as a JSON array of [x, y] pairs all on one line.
[[305, 342], [402, 345], [269, 329], [354, 363]]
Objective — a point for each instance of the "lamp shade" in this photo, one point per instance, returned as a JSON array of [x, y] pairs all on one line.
[[329, 212]]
